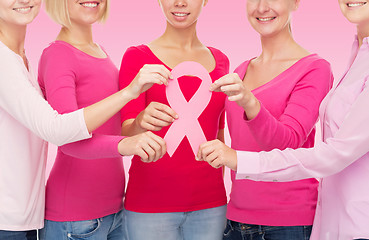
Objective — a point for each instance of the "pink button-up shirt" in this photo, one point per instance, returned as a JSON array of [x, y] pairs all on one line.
[[341, 159]]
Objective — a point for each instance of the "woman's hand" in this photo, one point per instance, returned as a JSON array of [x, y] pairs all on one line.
[[233, 86], [217, 154], [148, 146], [155, 117], [148, 75]]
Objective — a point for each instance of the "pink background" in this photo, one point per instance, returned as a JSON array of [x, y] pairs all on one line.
[[317, 25]]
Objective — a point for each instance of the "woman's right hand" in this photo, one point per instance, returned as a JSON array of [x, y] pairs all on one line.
[[155, 117], [148, 75], [148, 146]]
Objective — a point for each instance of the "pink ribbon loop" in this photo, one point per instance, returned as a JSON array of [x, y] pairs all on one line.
[[187, 124]]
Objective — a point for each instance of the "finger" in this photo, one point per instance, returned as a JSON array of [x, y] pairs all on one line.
[[211, 157], [149, 151], [142, 154], [231, 88], [160, 78], [200, 153], [161, 142], [217, 163], [166, 110], [157, 148], [235, 98], [227, 79], [162, 70], [150, 127], [206, 151]]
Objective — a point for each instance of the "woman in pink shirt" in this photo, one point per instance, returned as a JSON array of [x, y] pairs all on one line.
[[273, 103], [341, 159], [27, 120], [175, 197], [85, 190]]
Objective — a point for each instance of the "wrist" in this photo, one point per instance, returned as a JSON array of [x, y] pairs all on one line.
[[252, 108], [128, 94]]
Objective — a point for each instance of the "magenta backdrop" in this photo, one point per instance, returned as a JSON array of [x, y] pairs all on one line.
[[317, 25]]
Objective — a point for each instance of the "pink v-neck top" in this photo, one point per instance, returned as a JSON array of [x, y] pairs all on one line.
[[178, 183], [87, 179], [289, 111], [341, 159]]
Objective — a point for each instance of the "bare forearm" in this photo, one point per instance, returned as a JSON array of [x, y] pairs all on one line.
[[98, 113]]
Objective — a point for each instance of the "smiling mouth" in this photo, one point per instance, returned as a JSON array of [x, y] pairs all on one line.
[[357, 4], [265, 19], [180, 14], [23, 9], [90, 4]]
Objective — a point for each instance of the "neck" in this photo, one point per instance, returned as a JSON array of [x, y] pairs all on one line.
[[362, 32], [277, 46], [13, 37], [181, 38], [76, 34]]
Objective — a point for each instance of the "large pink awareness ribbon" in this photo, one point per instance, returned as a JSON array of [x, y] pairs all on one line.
[[187, 124]]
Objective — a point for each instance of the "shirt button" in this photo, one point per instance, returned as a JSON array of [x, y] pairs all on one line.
[[69, 235], [275, 180], [247, 177]]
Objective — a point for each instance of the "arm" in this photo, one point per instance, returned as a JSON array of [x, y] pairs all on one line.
[[327, 158], [98, 113], [292, 128], [23, 102], [137, 117], [60, 89]]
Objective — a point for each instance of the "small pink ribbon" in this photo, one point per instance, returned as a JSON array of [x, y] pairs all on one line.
[[187, 124]]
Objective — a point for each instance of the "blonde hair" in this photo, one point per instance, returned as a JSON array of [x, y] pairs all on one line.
[[58, 11]]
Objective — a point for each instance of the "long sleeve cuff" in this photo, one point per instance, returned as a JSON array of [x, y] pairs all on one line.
[[248, 165]]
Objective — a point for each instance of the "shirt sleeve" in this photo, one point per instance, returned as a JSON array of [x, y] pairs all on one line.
[[327, 158], [59, 75], [130, 66], [25, 104], [293, 127]]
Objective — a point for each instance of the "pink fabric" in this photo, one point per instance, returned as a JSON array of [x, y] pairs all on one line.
[[289, 111], [178, 183], [341, 159], [25, 120], [80, 189]]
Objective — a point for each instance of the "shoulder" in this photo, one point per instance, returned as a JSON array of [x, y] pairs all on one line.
[[220, 58], [314, 70], [58, 57], [314, 61], [218, 55], [137, 51], [62, 50]]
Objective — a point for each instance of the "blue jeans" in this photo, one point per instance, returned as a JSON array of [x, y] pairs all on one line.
[[18, 235], [241, 231], [110, 227], [207, 224]]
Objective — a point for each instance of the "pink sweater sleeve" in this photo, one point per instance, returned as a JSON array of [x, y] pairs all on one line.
[[58, 69], [292, 128]]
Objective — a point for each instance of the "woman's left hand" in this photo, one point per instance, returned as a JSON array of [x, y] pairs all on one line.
[[217, 154]]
